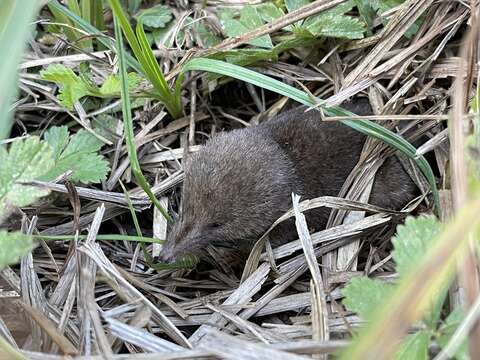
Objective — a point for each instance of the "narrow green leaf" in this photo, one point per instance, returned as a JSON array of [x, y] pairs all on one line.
[[144, 54], [90, 29], [15, 19], [128, 123]]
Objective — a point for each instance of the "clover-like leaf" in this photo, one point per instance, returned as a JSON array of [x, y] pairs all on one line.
[[27, 160], [13, 245]]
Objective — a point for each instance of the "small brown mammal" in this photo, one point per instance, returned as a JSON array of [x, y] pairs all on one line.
[[241, 181]]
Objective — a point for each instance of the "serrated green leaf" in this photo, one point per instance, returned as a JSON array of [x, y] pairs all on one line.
[[367, 13], [79, 156], [155, 17], [249, 20], [111, 85], [72, 87], [13, 245], [295, 4], [413, 239], [446, 331], [269, 12], [208, 38], [25, 161], [364, 295], [382, 6], [414, 347], [57, 137], [106, 125], [82, 142], [411, 243], [338, 26]]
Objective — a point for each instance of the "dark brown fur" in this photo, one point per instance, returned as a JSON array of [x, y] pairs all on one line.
[[241, 181]]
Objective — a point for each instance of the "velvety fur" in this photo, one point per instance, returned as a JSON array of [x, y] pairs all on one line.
[[241, 181]]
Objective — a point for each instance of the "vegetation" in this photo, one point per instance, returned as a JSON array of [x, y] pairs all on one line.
[[101, 100]]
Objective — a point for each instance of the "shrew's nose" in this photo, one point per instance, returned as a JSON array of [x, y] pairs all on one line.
[[166, 256]]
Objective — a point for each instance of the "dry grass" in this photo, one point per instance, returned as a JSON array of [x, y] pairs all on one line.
[[92, 297]]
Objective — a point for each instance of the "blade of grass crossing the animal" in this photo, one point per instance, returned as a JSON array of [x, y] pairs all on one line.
[[128, 124], [93, 31], [15, 17], [364, 126]]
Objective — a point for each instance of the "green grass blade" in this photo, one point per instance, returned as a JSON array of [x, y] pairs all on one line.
[[155, 72], [128, 124], [156, 76], [92, 30], [15, 19], [366, 127]]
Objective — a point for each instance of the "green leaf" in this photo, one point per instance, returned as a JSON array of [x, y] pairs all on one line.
[[413, 239], [111, 85], [57, 137], [92, 30], [364, 295], [333, 23], [338, 26], [79, 155], [295, 4], [72, 87], [367, 13], [382, 6], [208, 38], [414, 347], [25, 161], [269, 12], [13, 246], [411, 242], [249, 20], [446, 331], [155, 17], [16, 20]]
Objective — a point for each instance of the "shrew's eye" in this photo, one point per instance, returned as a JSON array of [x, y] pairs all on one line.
[[214, 225]]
